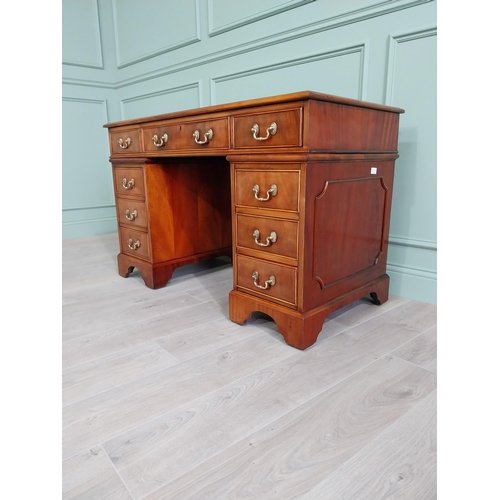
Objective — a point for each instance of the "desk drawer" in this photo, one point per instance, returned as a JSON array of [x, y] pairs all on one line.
[[125, 141], [272, 281], [134, 243], [211, 134], [279, 236], [267, 130], [272, 189], [132, 213], [129, 182], [160, 138]]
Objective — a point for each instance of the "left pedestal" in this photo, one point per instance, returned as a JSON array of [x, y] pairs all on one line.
[[171, 213]]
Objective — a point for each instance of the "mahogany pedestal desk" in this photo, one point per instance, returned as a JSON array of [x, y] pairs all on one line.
[[296, 189]]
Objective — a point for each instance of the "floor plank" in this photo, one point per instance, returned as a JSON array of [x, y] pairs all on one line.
[[108, 414], [106, 339], [93, 377], [201, 339], [421, 350], [164, 397], [91, 476], [261, 397], [120, 309], [292, 454], [400, 464]]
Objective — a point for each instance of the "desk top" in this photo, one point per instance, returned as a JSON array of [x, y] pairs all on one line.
[[301, 122], [279, 99]]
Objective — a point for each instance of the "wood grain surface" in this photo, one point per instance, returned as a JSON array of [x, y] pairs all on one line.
[[165, 398]]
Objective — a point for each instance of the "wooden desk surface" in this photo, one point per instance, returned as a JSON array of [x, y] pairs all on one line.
[[240, 105]]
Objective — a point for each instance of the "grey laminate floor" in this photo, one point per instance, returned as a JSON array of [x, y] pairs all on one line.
[[165, 398]]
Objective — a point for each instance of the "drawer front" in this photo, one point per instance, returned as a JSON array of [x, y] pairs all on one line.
[[132, 213], [126, 141], [165, 138], [210, 134], [270, 189], [267, 130], [134, 243], [274, 236], [258, 276], [129, 182]]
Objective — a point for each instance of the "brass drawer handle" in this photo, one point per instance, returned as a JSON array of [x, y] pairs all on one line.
[[268, 283], [122, 144], [209, 135], [128, 185], [163, 140], [271, 130], [134, 246], [272, 191], [130, 216], [270, 239]]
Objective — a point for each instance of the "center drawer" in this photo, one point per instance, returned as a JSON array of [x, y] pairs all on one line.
[[200, 135]]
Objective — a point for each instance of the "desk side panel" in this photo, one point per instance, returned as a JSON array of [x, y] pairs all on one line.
[[346, 227]]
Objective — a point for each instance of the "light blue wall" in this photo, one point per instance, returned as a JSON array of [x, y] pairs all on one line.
[[131, 58]]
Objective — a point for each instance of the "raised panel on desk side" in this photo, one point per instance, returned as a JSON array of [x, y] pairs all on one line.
[[346, 225]]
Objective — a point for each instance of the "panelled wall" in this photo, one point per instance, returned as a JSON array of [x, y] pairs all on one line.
[[130, 58]]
